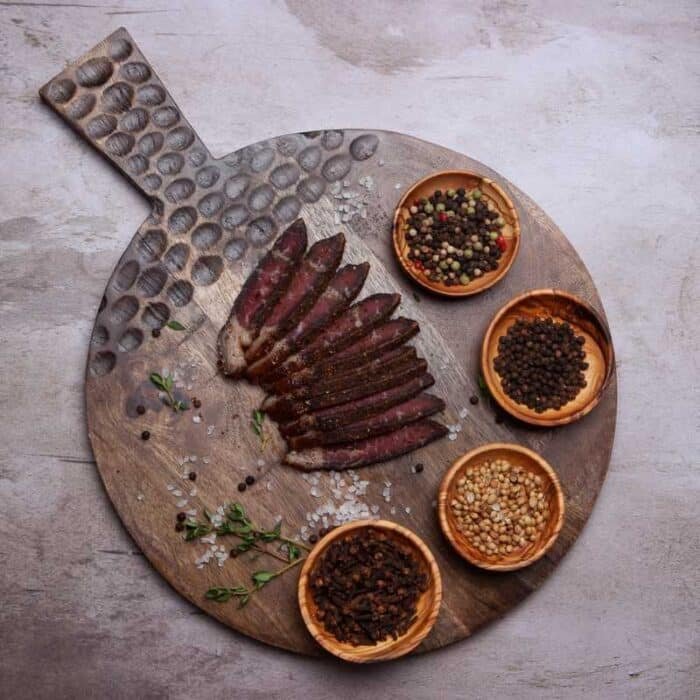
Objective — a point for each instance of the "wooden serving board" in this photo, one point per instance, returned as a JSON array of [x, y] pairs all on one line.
[[212, 220]]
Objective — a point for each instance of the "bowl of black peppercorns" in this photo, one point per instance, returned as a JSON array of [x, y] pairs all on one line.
[[547, 357], [370, 591], [456, 233]]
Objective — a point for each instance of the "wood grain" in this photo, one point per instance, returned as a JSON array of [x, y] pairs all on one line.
[[195, 282]]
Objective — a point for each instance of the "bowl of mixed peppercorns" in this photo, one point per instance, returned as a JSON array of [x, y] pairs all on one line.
[[456, 233], [370, 591], [547, 357]]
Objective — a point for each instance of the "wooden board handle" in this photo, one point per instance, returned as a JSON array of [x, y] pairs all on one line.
[[113, 98]]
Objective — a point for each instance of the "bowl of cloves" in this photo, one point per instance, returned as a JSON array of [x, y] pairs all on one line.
[[456, 232], [501, 506], [370, 591], [547, 357]]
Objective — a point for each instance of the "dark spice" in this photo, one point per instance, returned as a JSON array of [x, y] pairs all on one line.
[[250, 480], [192, 476], [155, 332], [182, 517], [313, 538], [455, 236], [196, 403], [541, 363], [179, 527], [140, 409], [233, 553], [418, 468], [145, 435], [242, 487], [474, 399], [366, 588]]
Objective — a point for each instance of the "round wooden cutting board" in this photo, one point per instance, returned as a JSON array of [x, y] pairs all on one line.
[[212, 220]]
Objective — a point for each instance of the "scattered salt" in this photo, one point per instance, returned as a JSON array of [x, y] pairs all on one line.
[[408, 509], [463, 413], [452, 436], [196, 419], [181, 503], [140, 497]]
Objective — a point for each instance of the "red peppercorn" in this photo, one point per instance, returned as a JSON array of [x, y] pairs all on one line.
[[442, 216], [501, 243]]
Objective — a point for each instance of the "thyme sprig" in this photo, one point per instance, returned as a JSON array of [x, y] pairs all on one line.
[[167, 385], [238, 524], [258, 425]]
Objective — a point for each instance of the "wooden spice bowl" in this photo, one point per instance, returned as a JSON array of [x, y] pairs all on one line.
[[454, 179], [518, 456], [561, 306], [427, 608]]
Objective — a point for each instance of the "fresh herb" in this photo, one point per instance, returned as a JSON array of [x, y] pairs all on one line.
[[482, 385], [175, 325], [167, 385], [260, 579], [258, 425], [251, 537]]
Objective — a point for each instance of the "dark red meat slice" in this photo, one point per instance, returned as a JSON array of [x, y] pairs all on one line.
[[420, 406], [261, 290], [337, 416], [333, 381], [355, 323], [287, 406], [338, 295], [385, 337], [307, 284], [375, 449]]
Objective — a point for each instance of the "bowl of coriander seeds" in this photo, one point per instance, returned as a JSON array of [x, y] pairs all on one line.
[[501, 506], [456, 233]]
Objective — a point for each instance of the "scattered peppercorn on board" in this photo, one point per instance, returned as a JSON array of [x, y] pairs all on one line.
[[212, 220]]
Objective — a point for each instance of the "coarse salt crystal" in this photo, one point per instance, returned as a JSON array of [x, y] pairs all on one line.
[[181, 503], [206, 460], [192, 512], [140, 497], [208, 539], [211, 429], [193, 492], [463, 413], [408, 509], [177, 493], [196, 419], [393, 510], [170, 487]]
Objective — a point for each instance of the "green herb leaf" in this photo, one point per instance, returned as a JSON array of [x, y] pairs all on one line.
[[175, 325], [293, 551], [220, 595], [260, 578], [243, 601], [482, 385], [158, 381]]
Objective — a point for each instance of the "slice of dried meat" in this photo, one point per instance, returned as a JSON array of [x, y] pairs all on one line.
[[364, 452], [288, 406], [337, 416], [254, 302], [355, 323], [307, 284], [338, 295], [385, 337], [420, 406]]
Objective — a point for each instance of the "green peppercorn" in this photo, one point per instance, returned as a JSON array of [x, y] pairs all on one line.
[[428, 208], [455, 266], [464, 279], [440, 206], [476, 194]]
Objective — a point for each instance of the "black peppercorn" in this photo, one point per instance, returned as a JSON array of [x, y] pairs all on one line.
[[179, 527], [181, 517], [145, 435], [140, 409], [313, 538], [155, 332], [473, 400], [192, 476], [196, 403], [233, 553], [250, 480], [418, 468], [242, 487]]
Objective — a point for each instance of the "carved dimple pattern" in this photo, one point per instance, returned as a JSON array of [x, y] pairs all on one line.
[[210, 214]]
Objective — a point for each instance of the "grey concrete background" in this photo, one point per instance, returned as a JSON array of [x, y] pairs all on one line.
[[592, 108]]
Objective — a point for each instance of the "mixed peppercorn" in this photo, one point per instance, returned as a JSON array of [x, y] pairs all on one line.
[[455, 236], [366, 588], [541, 363]]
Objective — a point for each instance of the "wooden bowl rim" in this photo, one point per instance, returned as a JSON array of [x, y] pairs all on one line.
[[511, 407], [457, 291], [449, 477], [417, 634]]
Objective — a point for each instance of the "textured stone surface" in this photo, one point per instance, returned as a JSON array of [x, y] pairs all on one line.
[[596, 120]]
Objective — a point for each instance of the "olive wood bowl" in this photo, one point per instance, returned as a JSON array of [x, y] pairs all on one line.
[[561, 306], [454, 179], [520, 457], [427, 609]]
